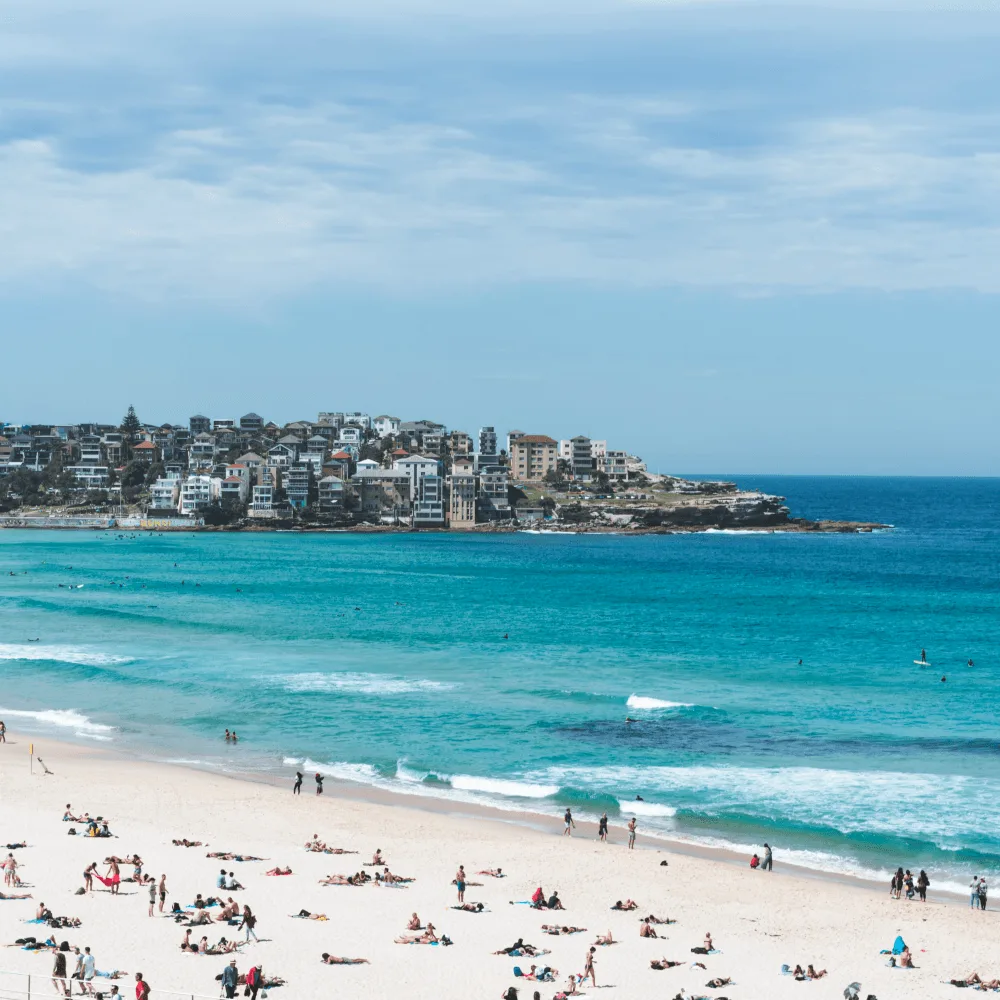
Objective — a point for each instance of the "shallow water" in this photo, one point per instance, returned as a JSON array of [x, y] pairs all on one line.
[[382, 660]]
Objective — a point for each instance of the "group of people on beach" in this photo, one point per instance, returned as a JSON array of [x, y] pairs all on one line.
[[903, 884]]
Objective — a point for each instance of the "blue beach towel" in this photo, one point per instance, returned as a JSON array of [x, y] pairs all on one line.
[[898, 945]]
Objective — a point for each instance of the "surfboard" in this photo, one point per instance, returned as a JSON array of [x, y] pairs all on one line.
[[922, 663]]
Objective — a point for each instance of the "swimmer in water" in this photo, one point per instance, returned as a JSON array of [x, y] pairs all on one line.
[[628, 718], [943, 679], [970, 663]]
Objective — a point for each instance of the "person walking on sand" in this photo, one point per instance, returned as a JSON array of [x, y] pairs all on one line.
[[631, 833], [230, 979], [3, 728], [974, 892], [59, 974], [982, 893], [152, 895], [922, 882], [568, 823], [460, 882], [588, 967], [255, 977], [249, 922], [162, 891], [602, 829], [767, 864], [319, 783], [141, 987], [297, 787], [88, 969]]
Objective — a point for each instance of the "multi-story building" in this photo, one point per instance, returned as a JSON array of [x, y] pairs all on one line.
[[91, 477], [298, 480], [598, 449], [416, 467], [615, 464], [338, 464], [487, 441], [386, 426], [90, 450], [145, 451], [512, 438], [582, 462], [235, 488], [199, 424], [223, 424], [201, 451], [532, 456], [314, 452], [263, 498], [358, 419], [434, 442], [350, 435], [113, 444], [492, 503], [459, 443], [383, 492], [197, 493], [252, 422], [462, 494], [428, 511], [331, 494], [164, 493]]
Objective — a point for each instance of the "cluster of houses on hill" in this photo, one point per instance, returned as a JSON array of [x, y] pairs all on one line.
[[373, 469]]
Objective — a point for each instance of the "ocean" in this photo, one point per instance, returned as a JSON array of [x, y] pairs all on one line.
[[499, 670]]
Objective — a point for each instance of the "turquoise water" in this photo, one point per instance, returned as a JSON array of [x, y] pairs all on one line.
[[381, 660]]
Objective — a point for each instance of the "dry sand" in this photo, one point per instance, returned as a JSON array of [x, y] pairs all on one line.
[[758, 921]]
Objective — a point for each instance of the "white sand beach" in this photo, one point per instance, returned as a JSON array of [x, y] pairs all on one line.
[[758, 921]]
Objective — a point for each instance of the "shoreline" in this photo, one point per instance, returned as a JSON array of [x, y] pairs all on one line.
[[758, 922], [539, 823]]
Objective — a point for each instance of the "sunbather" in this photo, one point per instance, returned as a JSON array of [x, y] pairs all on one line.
[[329, 959]]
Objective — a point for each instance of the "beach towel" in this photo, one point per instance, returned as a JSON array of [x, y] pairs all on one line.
[[898, 945], [108, 881]]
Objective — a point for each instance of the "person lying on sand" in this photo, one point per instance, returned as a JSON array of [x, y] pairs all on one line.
[[605, 939], [4, 895], [329, 959], [974, 979], [647, 930], [338, 880], [229, 856], [184, 842], [426, 938], [224, 947], [387, 876], [663, 963], [811, 973], [718, 983], [306, 915], [278, 871], [33, 944], [470, 907], [658, 920], [518, 947], [629, 904], [493, 872], [556, 929], [15, 847]]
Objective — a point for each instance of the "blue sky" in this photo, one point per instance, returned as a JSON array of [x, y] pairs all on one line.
[[738, 236]]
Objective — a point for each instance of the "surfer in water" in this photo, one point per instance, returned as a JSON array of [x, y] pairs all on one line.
[[628, 719], [923, 656]]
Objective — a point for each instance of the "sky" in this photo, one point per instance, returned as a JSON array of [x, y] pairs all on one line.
[[740, 236]]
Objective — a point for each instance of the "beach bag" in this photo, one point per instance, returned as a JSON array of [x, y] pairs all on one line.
[[517, 971]]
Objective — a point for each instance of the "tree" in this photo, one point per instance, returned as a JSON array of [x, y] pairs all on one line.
[[134, 474], [130, 426]]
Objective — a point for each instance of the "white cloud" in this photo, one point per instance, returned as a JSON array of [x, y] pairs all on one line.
[[207, 188]]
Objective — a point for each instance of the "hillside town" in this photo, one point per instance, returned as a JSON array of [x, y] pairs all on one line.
[[341, 468], [354, 471]]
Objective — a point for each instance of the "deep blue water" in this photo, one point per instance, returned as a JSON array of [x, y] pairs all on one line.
[[381, 659]]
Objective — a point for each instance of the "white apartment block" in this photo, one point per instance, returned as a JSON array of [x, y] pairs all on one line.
[[197, 492]]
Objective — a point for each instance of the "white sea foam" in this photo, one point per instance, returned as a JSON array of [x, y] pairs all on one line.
[[652, 704], [363, 683], [59, 653], [64, 718], [342, 770], [502, 786], [646, 808], [411, 777]]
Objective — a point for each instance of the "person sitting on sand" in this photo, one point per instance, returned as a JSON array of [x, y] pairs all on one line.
[[278, 871], [329, 959], [647, 930], [799, 973], [414, 924], [707, 948], [200, 917], [43, 912], [554, 902], [604, 939], [377, 860], [662, 963], [231, 884], [230, 909], [905, 959], [629, 904], [813, 974], [494, 872], [470, 907], [68, 816], [538, 898]]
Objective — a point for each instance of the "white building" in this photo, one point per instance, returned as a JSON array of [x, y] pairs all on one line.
[[263, 497], [358, 419], [164, 493], [92, 477], [386, 426], [197, 492], [416, 467], [487, 441], [598, 449]]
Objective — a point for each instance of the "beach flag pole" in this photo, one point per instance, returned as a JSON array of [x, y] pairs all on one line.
[[31, 756]]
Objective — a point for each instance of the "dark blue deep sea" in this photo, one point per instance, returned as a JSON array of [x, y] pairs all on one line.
[[382, 659]]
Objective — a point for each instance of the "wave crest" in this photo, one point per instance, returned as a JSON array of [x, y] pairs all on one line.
[[361, 682], [643, 704]]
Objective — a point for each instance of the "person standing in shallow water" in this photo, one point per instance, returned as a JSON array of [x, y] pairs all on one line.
[[297, 787]]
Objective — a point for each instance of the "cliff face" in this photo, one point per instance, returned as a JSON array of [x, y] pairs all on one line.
[[712, 510]]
